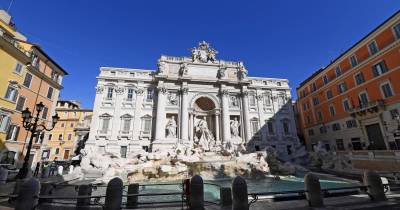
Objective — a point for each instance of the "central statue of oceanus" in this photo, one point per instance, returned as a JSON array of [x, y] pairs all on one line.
[[203, 137]]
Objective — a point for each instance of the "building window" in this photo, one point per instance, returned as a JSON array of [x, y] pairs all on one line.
[[71, 125], [315, 101], [394, 113], [338, 71], [310, 132], [150, 93], [8, 157], [60, 137], [110, 92], [379, 68], [386, 90], [356, 143], [50, 136], [146, 128], [346, 105], [130, 94], [329, 94], [105, 125], [50, 93], [126, 124], [339, 144], [279, 83], [267, 99], [319, 115], [27, 80], [373, 48], [396, 29], [359, 78], [12, 133], [363, 97], [4, 122], [45, 112], [351, 123], [332, 110], [252, 100], [342, 87], [254, 126], [306, 106], [270, 126], [336, 127], [20, 103], [308, 119], [313, 87], [322, 129], [57, 151], [18, 68], [286, 128], [326, 79], [11, 93], [69, 136], [124, 150], [353, 61]]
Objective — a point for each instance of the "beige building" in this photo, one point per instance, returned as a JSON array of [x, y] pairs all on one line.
[[72, 127]]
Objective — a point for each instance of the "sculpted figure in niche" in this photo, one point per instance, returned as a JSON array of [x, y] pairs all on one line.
[[242, 71], [171, 128], [204, 136], [235, 128]]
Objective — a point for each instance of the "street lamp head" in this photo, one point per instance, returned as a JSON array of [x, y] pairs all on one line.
[[55, 119], [40, 107], [26, 115]]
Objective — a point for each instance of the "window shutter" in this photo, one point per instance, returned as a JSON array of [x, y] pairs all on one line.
[[9, 132], [16, 133]]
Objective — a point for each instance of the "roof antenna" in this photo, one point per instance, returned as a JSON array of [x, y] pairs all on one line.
[[9, 6]]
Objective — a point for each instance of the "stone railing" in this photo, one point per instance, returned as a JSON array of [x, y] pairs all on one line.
[[370, 107], [371, 154]]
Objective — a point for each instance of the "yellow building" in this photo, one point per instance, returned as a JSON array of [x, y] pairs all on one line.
[[14, 56], [27, 76], [72, 127]]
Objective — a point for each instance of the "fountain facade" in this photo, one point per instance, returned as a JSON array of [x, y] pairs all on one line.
[[193, 115]]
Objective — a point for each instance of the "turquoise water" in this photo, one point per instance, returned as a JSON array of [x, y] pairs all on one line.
[[212, 187]]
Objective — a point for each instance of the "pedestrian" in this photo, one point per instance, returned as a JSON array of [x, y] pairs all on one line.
[[36, 173], [53, 167]]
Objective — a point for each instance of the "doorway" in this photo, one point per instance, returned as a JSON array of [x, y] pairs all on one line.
[[375, 137]]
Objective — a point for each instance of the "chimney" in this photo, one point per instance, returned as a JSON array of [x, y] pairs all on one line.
[[5, 17]]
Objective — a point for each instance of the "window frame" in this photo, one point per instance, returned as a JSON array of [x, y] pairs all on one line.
[[383, 92], [338, 71], [20, 69], [50, 92], [371, 51], [348, 103], [351, 60], [17, 103], [356, 76], [330, 110], [359, 97], [396, 32], [14, 95], [30, 81]]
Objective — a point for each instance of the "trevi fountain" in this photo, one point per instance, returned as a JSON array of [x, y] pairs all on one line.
[[193, 115]]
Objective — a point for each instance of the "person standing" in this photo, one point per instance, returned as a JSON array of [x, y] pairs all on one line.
[[36, 173]]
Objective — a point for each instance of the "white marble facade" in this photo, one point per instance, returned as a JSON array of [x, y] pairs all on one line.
[[191, 100]]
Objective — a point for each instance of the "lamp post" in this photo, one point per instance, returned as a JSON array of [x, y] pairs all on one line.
[[31, 124]]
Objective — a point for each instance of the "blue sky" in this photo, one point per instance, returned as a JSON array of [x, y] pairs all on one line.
[[285, 39]]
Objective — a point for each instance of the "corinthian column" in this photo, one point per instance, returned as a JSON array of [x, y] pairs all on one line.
[[137, 115], [245, 100], [160, 118], [226, 134], [184, 115]]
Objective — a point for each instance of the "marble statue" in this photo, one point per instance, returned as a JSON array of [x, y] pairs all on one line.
[[161, 67], [204, 136], [204, 53], [171, 128], [242, 74], [235, 128], [183, 70], [234, 101]]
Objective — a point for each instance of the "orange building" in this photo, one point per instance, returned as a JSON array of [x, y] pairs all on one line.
[[354, 102], [40, 81]]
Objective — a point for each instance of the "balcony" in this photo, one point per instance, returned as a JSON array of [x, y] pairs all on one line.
[[14, 48], [369, 108]]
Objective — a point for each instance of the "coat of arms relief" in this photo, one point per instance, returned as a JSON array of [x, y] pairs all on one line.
[[204, 53]]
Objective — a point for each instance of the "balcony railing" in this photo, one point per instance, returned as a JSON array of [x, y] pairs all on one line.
[[370, 107]]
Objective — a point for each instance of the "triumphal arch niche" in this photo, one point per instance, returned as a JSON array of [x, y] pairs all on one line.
[[198, 101]]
